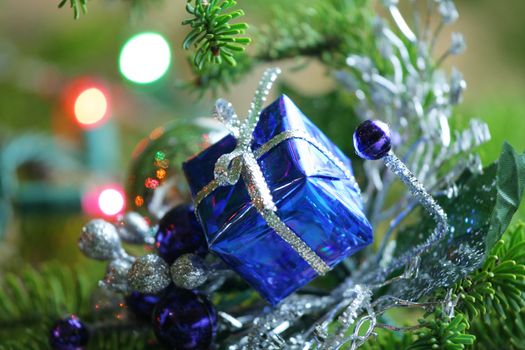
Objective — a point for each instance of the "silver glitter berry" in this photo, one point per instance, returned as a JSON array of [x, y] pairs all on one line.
[[99, 240], [188, 272], [133, 228], [149, 274], [116, 278]]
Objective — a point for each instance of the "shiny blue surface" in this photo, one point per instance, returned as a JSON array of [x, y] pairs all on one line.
[[313, 197], [179, 233], [185, 320], [141, 305]]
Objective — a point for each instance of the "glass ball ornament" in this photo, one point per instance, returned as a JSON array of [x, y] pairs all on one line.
[[185, 320], [155, 181], [68, 334], [180, 233], [372, 139], [141, 305]]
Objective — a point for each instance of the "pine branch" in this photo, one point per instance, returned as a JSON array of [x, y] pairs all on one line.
[[52, 291], [491, 299], [443, 332], [78, 6], [499, 285], [493, 296], [31, 300], [296, 31], [304, 31], [215, 39], [118, 337], [501, 333]]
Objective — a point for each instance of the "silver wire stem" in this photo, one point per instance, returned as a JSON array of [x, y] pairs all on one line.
[[417, 189]]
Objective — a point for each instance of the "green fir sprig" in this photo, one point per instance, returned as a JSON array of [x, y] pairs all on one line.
[[31, 300], [501, 333], [443, 332], [494, 296], [78, 6], [215, 39], [498, 286], [295, 31], [490, 302]]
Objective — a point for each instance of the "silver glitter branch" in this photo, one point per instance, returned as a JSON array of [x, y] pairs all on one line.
[[427, 201]]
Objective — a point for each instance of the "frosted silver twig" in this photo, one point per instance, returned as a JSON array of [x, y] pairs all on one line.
[[393, 163]]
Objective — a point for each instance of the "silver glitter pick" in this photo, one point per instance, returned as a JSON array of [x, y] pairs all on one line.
[[417, 189], [188, 271], [149, 274], [99, 240]]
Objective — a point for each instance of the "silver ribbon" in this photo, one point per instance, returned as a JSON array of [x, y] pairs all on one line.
[[242, 161]]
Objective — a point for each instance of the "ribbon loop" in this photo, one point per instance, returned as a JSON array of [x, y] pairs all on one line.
[[228, 168], [225, 113]]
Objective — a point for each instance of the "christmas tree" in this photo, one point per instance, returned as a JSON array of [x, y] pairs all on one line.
[[369, 213]]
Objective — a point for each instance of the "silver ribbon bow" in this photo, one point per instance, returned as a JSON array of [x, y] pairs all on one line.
[[242, 161]]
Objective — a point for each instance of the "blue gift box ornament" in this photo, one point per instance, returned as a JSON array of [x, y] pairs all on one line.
[[276, 198]]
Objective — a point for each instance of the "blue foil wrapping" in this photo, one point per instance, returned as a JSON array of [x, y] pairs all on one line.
[[313, 197]]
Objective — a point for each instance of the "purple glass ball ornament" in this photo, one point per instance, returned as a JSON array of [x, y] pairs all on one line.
[[180, 233], [185, 320], [142, 305], [68, 334], [372, 139]]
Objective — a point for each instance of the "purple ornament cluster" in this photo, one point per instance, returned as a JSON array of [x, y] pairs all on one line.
[[181, 319]]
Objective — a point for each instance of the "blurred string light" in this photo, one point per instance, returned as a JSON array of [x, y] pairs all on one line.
[[111, 201], [106, 200], [91, 107], [87, 100], [145, 58]]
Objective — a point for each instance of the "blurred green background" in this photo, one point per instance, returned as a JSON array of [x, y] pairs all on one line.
[[43, 51]]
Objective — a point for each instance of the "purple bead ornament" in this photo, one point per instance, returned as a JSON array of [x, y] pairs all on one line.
[[69, 334], [372, 140], [179, 233], [185, 320]]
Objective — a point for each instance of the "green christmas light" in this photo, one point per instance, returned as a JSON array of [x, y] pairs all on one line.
[[145, 58]]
